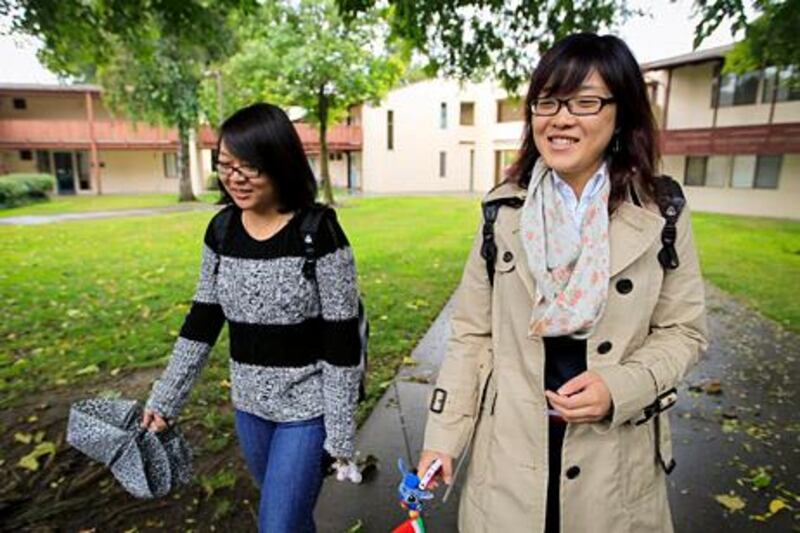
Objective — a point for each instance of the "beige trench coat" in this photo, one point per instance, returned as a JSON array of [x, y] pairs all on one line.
[[493, 376]]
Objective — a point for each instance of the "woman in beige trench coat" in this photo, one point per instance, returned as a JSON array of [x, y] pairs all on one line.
[[559, 367]]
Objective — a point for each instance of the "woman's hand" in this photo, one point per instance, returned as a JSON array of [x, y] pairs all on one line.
[[153, 421], [446, 472], [584, 398]]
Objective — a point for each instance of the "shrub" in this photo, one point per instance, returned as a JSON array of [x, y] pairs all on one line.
[[18, 189]]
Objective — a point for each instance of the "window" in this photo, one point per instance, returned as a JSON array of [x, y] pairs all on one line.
[[510, 110], [43, 161], [171, 165], [390, 130], [443, 116], [768, 170], [467, 116], [744, 169], [442, 164], [20, 103], [84, 181], [738, 89], [695, 171], [718, 170], [502, 160], [26, 155], [786, 90]]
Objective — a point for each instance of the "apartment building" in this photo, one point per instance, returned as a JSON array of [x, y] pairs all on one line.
[[732, 140], [440, 136], [67, 131]]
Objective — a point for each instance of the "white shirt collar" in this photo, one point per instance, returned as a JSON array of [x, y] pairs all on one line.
[[592, 187]]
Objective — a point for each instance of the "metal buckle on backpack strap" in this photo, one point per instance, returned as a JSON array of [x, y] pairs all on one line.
[[662, 402]]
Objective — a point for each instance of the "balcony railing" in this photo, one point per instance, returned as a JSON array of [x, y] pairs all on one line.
[[109, 135], [761, 139]]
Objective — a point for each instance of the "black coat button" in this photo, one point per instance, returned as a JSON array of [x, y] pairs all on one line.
[[624, 286], [604, 347], [507, 257], [573, 472]]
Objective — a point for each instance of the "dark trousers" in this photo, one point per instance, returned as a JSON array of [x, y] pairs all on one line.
[[555, 440]]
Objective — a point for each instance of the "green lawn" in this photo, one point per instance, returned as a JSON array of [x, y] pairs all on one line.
[[755, 259], [81, 300], [110, 202]]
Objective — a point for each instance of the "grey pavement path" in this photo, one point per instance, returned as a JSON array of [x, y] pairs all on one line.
[[721, 440], [31, 220]]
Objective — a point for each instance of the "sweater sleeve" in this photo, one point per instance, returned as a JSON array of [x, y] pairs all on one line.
[[341, 354], [199, 332]]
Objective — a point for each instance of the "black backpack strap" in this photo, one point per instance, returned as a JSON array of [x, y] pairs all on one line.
[[488, 246], [309, 227], [670, 200], [220, 227]]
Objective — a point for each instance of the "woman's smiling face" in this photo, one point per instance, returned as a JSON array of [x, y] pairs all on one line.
[[571, 145], [248, 187]]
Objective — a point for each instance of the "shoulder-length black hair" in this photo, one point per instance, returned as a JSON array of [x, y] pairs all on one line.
[[560, 72], [263, 136]]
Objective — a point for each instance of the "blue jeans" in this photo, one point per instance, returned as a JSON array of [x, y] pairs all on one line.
[[286, 461]]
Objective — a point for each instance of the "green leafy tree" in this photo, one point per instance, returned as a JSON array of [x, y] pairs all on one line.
[[771, 38], [303, 53], [150, 56], [470, 39]]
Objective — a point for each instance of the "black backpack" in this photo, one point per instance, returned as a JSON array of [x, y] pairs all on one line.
[[670, 200], [309, 228]]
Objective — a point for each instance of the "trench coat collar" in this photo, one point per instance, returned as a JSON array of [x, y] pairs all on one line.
[[632, 230]]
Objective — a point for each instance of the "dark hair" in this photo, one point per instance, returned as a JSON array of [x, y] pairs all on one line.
[[263, 136], [561, 71]]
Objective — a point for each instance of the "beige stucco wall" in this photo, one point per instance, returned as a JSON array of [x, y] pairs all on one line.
[[135, 172], [413, 164], [690, 103], [10, 161], [336, 169], [62, 107], [782, 202]]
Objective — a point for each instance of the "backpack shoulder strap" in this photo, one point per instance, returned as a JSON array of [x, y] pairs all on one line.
[[488, 246], [220, 227], [309, 227], [670, 200]]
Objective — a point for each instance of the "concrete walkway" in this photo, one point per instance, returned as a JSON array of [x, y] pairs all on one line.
[[31, 220], [737, 416]]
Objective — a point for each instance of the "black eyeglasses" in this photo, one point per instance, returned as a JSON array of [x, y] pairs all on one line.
[[580, 106], [246, 172]]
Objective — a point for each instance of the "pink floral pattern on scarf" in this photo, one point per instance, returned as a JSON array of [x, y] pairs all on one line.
[[570, 267]]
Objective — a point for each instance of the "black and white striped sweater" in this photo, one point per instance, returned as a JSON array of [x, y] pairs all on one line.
[[294, 346]]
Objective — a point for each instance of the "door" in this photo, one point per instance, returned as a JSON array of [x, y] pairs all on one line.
[[65, 172]]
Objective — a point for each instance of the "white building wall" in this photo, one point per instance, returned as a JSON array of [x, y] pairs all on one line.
[[135, 171], [413, 164]]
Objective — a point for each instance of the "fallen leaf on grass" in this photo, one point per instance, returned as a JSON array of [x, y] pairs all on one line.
[[24, 438], [89, 369], [409, 361], [731, 501], [31, 461]]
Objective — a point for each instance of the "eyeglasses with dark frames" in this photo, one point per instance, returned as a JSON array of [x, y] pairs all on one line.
[[579, 106], [246, 172]]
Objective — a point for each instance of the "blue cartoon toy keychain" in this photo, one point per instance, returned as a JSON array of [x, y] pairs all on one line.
[[413, 493]]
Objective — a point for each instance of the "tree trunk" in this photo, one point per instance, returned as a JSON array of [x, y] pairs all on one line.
[[185, 193], [323, 148]]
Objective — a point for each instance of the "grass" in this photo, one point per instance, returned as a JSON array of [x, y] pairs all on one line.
[[755, 259], [83, 300], [83, 204]]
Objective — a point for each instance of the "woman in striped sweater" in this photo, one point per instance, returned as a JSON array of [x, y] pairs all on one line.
[[294, 339]]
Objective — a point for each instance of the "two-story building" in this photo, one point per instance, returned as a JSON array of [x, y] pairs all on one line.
[[67, 131], [732, 140]]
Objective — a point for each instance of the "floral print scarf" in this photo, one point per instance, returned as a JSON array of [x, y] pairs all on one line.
[[570, 267]]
